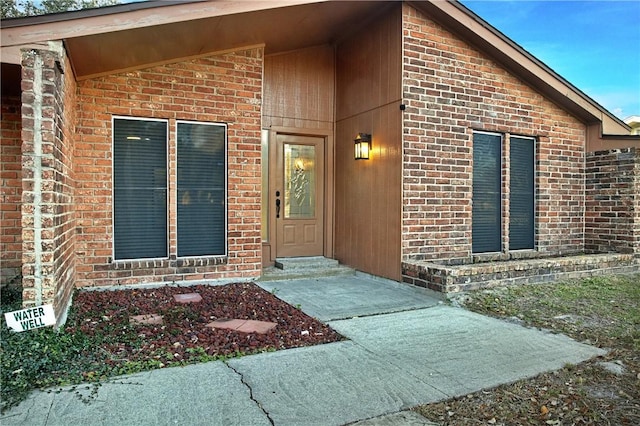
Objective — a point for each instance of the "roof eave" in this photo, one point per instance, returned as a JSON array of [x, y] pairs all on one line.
[[90, 12], [24, 31]]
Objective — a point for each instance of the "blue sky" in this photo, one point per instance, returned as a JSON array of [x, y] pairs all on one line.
[[593, 44]]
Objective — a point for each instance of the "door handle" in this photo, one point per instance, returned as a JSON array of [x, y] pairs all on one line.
[[277, 204]]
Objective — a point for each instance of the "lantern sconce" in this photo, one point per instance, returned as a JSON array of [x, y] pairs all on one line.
[[363, 146]]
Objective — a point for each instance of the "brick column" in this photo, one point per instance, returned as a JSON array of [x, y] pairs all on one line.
[[47, 214], [613, 201]]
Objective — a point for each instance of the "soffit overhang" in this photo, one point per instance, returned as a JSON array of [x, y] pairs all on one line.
[[130, 39]]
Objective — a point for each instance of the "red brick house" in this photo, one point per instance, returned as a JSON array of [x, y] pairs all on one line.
[[175, 141]]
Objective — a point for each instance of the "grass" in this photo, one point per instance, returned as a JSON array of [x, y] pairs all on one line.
[[604, 311], [601, 311]]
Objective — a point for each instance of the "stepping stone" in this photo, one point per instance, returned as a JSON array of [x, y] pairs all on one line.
[[146, 319], [187, 298], [244, 326]]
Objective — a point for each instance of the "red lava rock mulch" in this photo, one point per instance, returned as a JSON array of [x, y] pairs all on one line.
[[128, 325]]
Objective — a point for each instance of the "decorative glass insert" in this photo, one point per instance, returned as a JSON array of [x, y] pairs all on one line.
[[299, 181]]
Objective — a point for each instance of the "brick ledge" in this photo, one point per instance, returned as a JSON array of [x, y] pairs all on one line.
[[457, 278]]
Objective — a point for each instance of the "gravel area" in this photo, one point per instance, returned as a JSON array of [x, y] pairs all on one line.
[[182, 334]]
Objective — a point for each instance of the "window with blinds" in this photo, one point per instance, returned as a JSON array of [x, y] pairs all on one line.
[[486, 213], [139, 188], [201, 197], [522, 193]]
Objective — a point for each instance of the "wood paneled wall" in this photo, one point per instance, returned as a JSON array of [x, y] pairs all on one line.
[[299, 97], [369, 66], [368, 192], [299, 89]]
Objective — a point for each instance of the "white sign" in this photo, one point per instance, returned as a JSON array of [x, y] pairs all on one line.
[[30, 318]]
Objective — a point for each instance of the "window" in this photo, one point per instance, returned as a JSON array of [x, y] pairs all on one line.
[[522, 193], [487, 194], [201, 189], [486, 213], [139, 188]]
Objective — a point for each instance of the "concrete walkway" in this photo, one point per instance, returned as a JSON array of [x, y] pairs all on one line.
[[405, 348]]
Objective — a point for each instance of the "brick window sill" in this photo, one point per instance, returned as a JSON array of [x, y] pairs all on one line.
[[169, 263]]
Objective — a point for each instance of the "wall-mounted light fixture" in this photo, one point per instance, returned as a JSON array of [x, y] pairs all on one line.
[[363, 146]]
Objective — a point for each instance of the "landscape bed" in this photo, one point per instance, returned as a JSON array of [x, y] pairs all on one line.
[[100, 340], [183, 335]]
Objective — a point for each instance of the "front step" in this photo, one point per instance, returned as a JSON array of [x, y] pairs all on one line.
[[291, 263], [304, 267]]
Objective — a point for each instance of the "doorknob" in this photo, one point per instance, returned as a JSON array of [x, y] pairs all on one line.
[[277, 204]]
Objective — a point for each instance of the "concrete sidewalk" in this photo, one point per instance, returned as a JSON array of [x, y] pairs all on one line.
[[405, 348]]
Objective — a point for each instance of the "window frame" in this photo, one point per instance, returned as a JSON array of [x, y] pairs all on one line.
[[501, 175], [113, 188], [225, 126], [534, 140], [506, 187]]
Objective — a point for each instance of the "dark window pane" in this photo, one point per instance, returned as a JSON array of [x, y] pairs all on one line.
[[139, 189], [201, 189], [521, 200], [486, 226]]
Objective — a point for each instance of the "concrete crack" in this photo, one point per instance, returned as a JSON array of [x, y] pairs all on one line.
[[46, 420], [250, 392], [375, 314]]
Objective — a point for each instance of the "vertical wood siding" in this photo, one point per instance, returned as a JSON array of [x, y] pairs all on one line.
[[368, 192], [299, 89]]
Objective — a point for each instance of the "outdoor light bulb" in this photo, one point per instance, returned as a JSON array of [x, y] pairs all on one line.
[[364, 148]]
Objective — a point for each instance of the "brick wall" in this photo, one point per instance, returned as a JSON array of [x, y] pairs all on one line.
[[10, 189], [64, 223], [225, 88], [48, 94], [612, 221], [451, 89]]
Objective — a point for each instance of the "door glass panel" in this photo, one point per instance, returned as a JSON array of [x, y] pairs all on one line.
[[299, 181]]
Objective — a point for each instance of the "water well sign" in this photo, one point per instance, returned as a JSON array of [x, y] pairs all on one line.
[[30, 318]]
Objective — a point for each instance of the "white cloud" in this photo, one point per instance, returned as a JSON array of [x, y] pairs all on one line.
[[620, 103]]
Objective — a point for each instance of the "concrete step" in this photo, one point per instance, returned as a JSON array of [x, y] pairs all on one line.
[[304, 267], [289, 263]]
